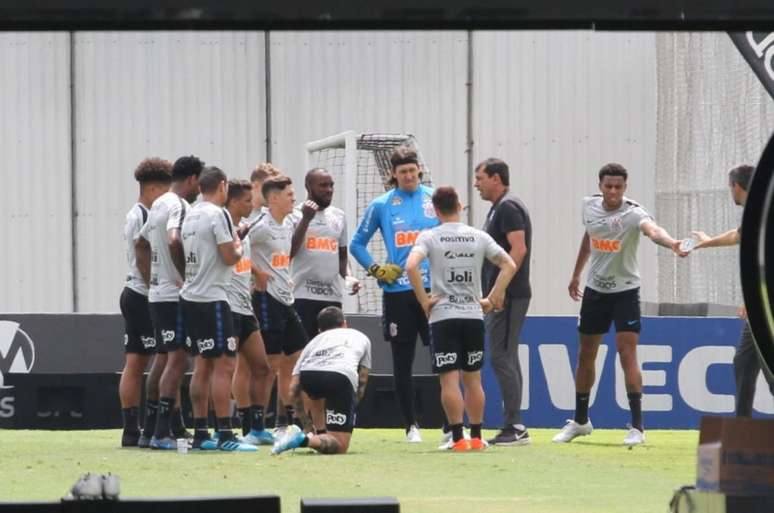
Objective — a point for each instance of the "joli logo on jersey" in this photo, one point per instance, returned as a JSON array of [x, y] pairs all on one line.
[[459, 275]]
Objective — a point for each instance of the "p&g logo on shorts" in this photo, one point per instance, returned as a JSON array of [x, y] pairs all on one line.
[[206, 344], [331, 417], [474, 357], [168, 335], [442, 359], [148, 342]]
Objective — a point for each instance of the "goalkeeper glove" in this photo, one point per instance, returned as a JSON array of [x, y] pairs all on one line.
[[387, 273]]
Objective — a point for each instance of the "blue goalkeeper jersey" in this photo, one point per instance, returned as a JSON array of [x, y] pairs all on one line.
[[400, 216]]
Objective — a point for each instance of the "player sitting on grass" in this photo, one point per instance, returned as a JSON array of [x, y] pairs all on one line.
[[329, 379]]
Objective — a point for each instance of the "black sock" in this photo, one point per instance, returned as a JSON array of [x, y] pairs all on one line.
[[582, 407], [456, 430], [305, 442], [290, 413], [635, 405], [224, 429], [445, 427], [282, 420], [131, 419], [166, 407], [475, 431], [244, 419], [320, 431], [151, 411], [200, 428], [256, 412], [178, 425]]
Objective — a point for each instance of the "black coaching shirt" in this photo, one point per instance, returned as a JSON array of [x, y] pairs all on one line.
[[508, 214]]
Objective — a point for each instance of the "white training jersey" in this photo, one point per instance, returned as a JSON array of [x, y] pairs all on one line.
[[239, 287], [166, 213], [315, 269], [206, 274], [456, 253], [614, 237], [270, 250], [135, 219], [340, 350]]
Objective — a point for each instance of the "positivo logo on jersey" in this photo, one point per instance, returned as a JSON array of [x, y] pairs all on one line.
[[331, 417]]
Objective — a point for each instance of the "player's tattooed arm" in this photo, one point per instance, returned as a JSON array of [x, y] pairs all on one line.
[[328, 445], [362, 382], [142, 253]]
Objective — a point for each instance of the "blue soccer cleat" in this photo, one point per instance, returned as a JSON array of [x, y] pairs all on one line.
[[258, 437], [292, 439], [236, 446], [165, 444]]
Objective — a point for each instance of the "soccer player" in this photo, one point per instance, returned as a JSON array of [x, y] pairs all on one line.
[[154, 176], [160, 249], [509, 224], [455, 309], [319, 251], [400, 214], [211, 249], [747, 362], [282, 331], [329, 380], [613, 224], [259, 175], [252, 368]]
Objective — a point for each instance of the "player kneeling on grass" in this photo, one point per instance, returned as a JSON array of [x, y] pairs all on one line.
[[455, 309], [328, 380]]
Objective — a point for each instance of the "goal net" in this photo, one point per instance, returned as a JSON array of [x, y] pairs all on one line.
[[360, 166], [713, 114]]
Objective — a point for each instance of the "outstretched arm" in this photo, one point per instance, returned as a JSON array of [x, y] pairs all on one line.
[[661, 237], [729, 238]]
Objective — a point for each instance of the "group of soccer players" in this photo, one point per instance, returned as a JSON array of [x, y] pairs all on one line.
[[244, 277]]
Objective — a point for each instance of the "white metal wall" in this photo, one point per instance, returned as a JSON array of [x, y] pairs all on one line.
[[35, 200], [557, 106], [161, 94], [323, 83]]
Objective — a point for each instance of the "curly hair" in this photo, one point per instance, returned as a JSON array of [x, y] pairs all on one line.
[[153, 169]]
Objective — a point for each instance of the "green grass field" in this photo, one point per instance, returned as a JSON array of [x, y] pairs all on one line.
[[595, 474]]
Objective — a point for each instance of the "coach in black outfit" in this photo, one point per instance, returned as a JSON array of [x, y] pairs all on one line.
[[509, 224]]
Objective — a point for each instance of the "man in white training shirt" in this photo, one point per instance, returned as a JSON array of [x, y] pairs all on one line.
[[613, 224], [154, 176], [456, 310], [319, 252], [329, 379], [270, 238], [211, 250], [160, 249]]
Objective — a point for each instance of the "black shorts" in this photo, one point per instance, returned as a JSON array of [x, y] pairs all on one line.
[[598, 310], [210, 327], [403, 318], [168, 325], [457, 344], [281, 327], [339, 397], [139, 337], [307, 310], [244, 326]]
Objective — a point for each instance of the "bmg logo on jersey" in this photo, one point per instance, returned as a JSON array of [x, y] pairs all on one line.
[[459, 275], [442, 359], [338, 419], [280, 260], [325, 244], [406, 238], [606, 246]]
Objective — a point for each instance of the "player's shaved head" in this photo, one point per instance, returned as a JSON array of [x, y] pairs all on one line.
[[319, 186], [329, 318], [210, 179]]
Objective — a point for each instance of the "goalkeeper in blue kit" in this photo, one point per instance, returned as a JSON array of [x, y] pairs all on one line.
[[400, 214]]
